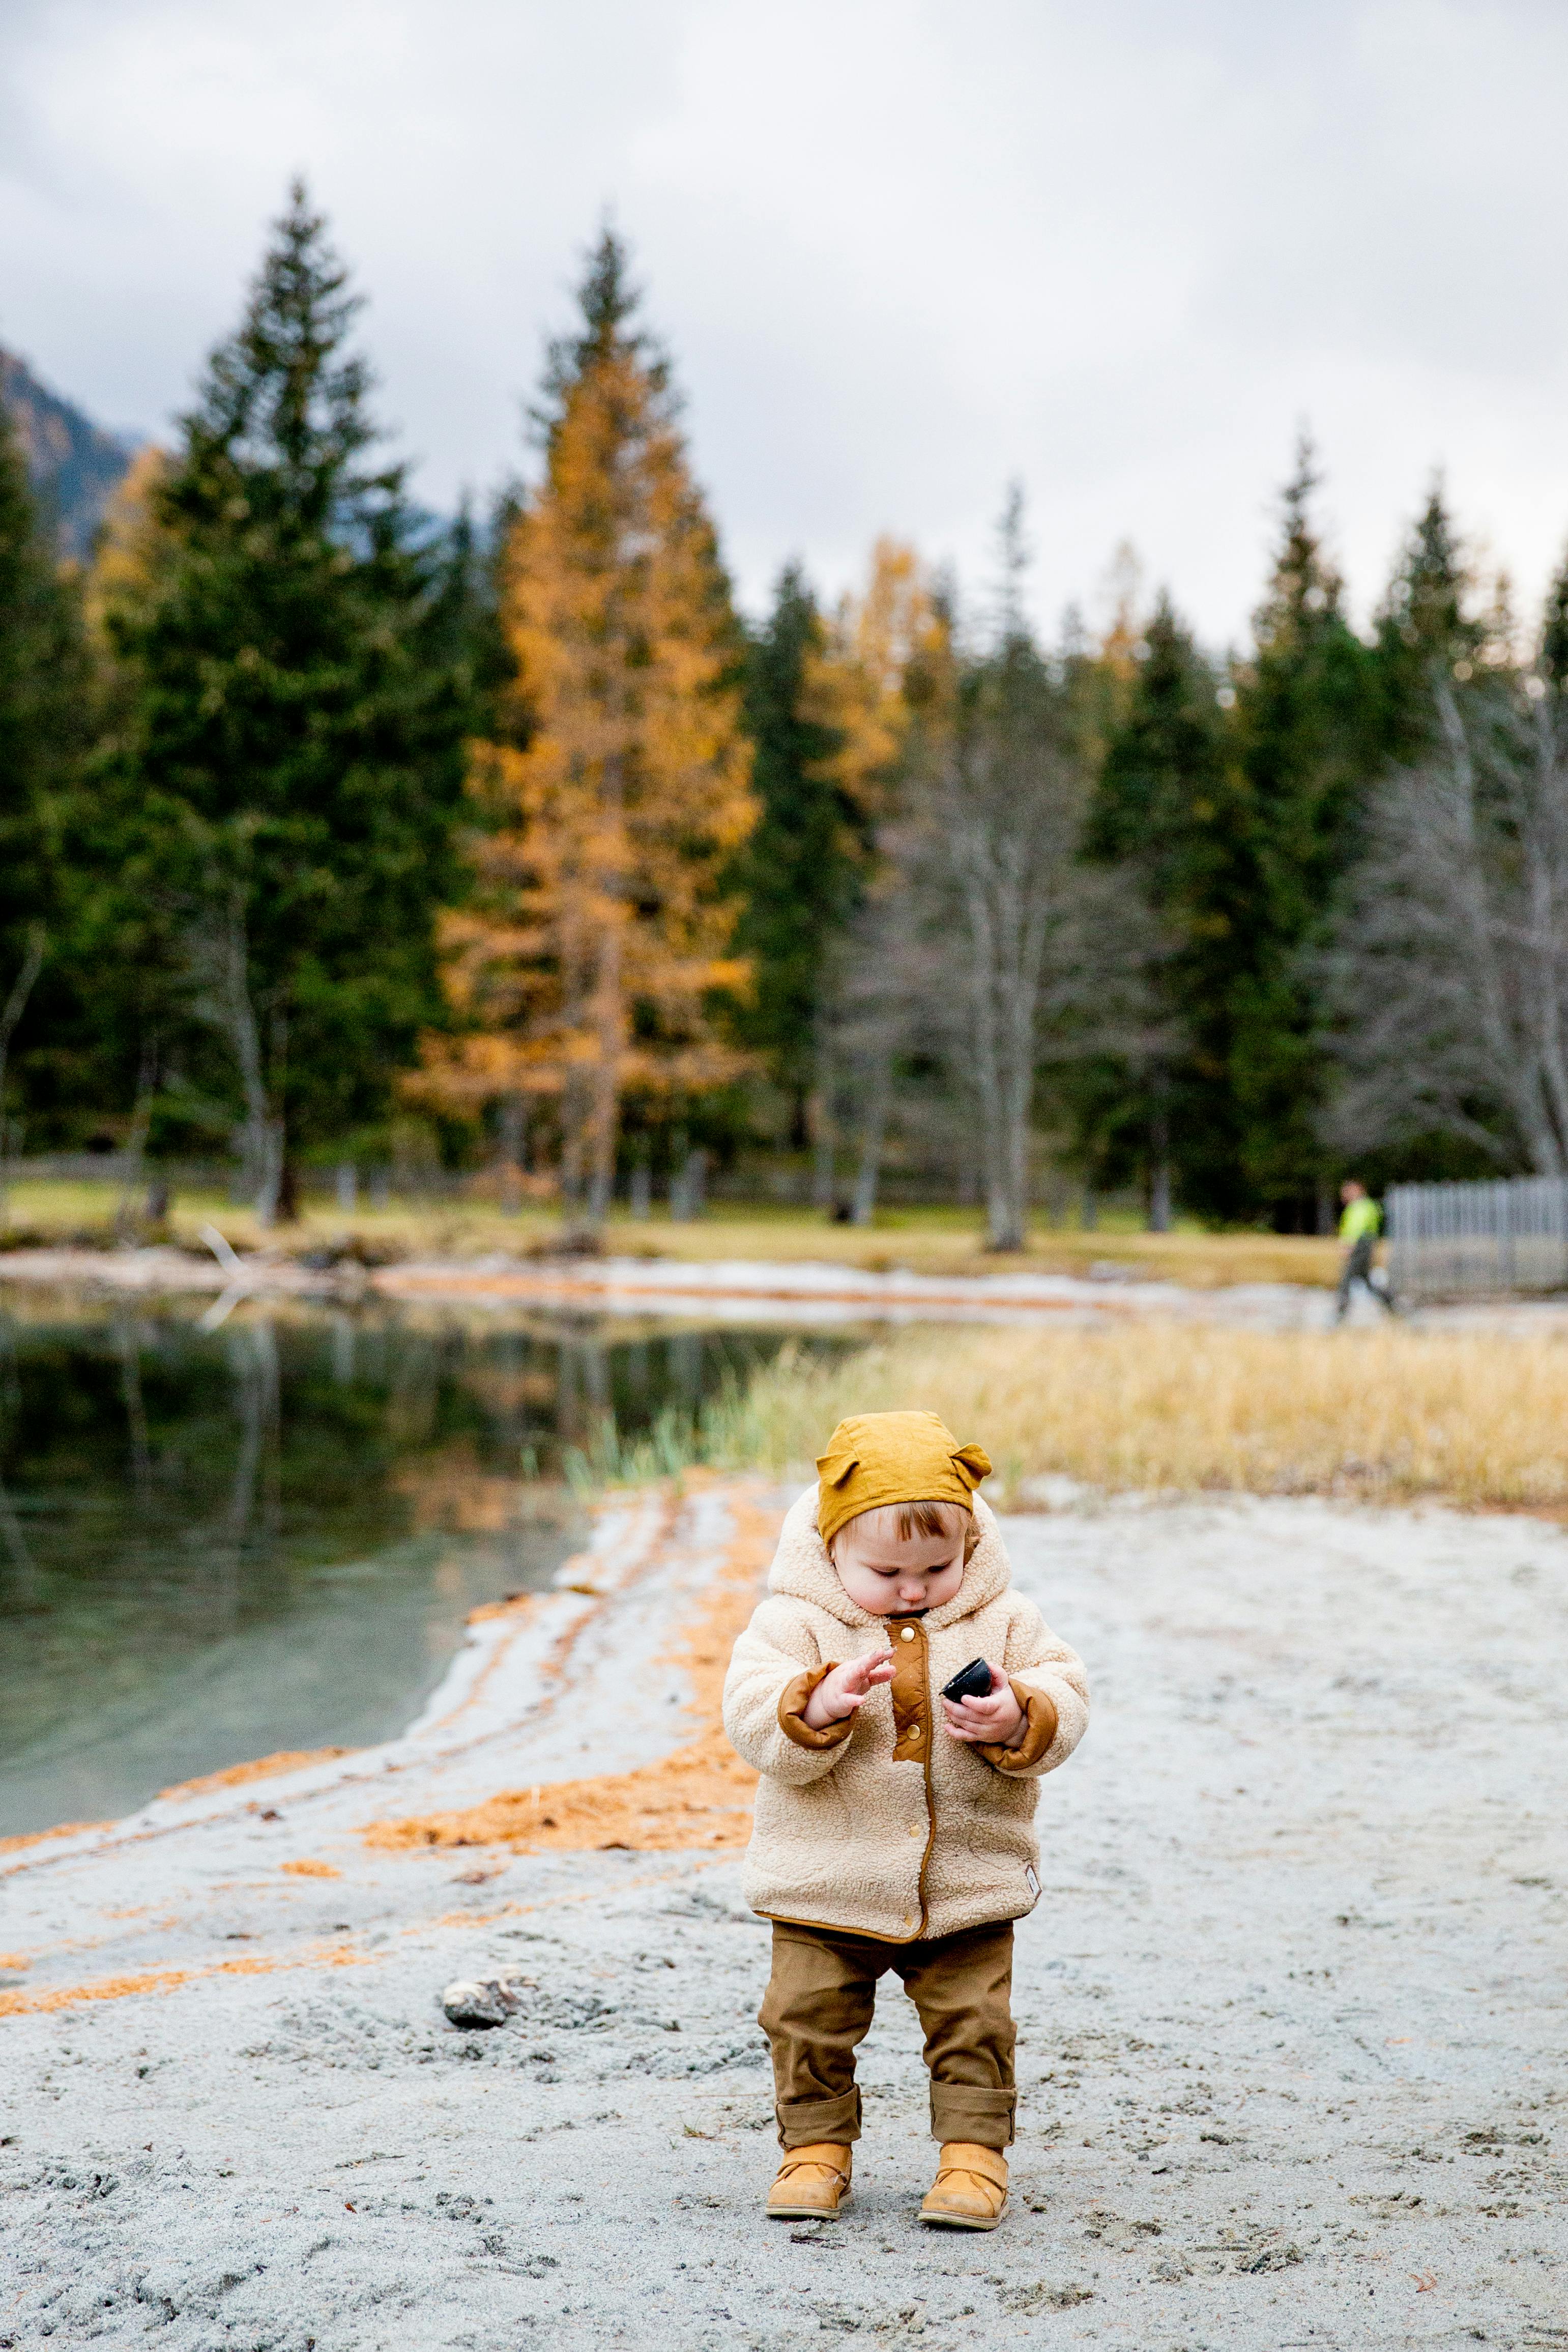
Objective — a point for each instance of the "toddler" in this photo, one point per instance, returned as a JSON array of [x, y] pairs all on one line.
[[895, 1827]]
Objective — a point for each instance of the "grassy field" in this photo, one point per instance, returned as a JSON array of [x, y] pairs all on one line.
[[925, 1240], [1385, 1415]]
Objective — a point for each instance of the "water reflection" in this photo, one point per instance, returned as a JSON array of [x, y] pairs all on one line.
[[216, 1546]]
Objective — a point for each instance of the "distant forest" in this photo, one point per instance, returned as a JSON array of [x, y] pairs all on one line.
[[331, 833]]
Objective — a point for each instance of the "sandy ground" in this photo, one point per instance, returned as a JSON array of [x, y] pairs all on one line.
[[1291, 2004]]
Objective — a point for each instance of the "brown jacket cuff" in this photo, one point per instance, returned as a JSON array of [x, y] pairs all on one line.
[[1039, 1730], [793, 1701]]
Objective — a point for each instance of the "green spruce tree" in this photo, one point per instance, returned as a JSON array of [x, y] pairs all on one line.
[[46, 723], [803, 871], [1553, 656], [1425, 632], [1171, 806], [300, 692], [1308, 742]]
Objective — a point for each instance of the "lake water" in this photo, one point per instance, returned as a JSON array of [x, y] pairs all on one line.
[[213, 1547]]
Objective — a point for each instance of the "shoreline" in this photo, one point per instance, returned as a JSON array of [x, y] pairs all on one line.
[[789, 1293], [509, 1654], [1290, 2046]]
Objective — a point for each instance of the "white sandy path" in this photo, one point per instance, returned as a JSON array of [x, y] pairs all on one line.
[[1292, 2013]]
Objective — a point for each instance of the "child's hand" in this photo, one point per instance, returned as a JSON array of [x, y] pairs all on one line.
[[846, 1688], [997, 1720]]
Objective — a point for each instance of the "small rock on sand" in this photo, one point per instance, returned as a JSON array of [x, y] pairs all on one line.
[[479, 2001]]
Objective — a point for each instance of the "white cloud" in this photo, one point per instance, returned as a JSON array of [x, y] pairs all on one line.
[[903, 249]]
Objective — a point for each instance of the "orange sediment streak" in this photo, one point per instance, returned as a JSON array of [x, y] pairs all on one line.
[[700, 1796], [36, 1837], [263, 1767], [56, 1997]]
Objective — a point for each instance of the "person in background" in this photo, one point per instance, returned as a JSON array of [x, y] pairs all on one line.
[[1361, 1222]]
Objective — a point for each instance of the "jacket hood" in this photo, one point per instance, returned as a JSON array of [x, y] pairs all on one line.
[[802, 1569]]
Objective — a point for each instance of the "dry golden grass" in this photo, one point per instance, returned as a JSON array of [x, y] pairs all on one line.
[[924, 1241], [1391, 1414]]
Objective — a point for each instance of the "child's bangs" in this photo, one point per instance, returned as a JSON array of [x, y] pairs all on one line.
[[902, 1522]]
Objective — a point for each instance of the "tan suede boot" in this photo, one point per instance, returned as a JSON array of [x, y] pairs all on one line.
[[812, 2182], [970, 2191]]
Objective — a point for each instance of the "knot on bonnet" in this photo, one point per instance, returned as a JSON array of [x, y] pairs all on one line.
[[875, 1458]]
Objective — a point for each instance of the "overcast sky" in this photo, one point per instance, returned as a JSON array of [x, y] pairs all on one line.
[[902, 250]]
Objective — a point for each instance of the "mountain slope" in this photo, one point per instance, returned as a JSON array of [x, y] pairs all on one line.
[[75, 464]]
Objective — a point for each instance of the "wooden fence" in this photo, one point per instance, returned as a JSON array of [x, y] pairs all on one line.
[[1448, 1240]]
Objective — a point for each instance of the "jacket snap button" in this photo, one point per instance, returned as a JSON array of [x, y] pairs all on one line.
[[908, 1631]]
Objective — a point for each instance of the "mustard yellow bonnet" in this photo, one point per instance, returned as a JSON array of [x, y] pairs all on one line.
[[893, 1457]]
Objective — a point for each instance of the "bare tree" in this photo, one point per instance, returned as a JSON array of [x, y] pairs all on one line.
[[1047, 957], [870, 1002], [1449, 972], [989, 956]]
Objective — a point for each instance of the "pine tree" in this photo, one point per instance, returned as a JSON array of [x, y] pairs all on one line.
[[1171, 806], [293, 752], [1554, 655], [829, 706], [46, 721], [617, 789], [802, 872], [1308, 746], [1425, 632]]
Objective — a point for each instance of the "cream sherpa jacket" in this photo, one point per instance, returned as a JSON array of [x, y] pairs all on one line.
[[882, 1824]]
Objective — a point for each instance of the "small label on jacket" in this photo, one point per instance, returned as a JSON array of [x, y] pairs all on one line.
[[1031, 1882]]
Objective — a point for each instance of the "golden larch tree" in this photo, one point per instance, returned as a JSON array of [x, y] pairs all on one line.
[[599, 929], [865, 681]]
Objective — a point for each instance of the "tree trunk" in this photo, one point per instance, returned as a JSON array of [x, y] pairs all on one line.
[[573, 1122], [685, 1195], [288, 1208], [224, 954], [1160, 1170], [512, 1148], [823, 1173], [605, 1100], [15, 1005], [872, 1136]]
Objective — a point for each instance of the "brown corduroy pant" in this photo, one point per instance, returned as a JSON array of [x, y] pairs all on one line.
[[818, 2006]]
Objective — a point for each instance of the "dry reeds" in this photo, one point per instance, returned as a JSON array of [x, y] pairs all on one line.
[[1475, 1418]]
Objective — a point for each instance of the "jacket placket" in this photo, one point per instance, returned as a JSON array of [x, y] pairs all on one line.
[[914, 1730]]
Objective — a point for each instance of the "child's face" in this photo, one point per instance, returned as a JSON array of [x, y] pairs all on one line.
[[889, 1578]]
